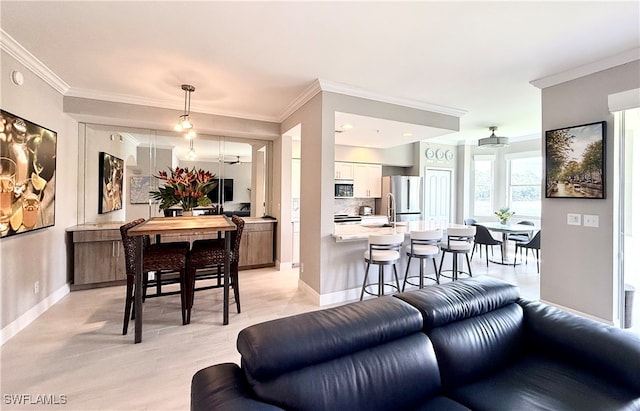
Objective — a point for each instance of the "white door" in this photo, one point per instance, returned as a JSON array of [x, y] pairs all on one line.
[[438, 197]]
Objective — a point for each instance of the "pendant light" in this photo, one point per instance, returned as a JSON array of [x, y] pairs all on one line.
[[493, 141], [184, 121]]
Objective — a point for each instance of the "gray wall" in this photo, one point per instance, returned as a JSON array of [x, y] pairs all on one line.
[[39, 255], [577, 269]]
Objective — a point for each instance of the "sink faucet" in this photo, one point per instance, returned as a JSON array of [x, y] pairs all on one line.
[[391, 208]]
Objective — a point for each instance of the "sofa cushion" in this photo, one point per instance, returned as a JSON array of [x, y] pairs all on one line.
[[461, 299], [541, 383], [396, 375], [469, 349], [279, 346], [567, 337], [223, 387]]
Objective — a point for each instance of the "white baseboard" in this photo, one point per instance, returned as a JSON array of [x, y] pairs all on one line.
[[331, 298], [580, 313], [17, 325]]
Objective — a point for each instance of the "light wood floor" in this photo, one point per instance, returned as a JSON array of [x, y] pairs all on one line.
[[76, 348]]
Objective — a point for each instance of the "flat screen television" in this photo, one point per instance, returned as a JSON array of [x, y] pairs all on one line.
[[226, 186]]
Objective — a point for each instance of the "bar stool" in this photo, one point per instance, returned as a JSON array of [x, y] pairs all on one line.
[[424, 245], [382, 250], [459, 241]]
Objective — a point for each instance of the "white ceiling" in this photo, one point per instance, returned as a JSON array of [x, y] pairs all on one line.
[[253, 59]]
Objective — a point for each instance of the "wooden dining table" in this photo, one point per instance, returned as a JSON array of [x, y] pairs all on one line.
[[205, 225], [507, 229]]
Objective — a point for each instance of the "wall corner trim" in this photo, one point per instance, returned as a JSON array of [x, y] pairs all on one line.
[[20, 323]]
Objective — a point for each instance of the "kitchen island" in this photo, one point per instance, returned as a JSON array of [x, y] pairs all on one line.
[[346, 248], [360, 232]]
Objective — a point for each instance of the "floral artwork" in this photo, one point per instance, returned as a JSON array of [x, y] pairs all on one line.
[[184, 187], [111, 179], [27, 175]]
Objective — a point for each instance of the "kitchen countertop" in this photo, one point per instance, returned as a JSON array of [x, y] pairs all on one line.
[[360, 232]]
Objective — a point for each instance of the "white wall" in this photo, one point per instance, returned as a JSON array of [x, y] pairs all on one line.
[[39, 255], [577, 268]]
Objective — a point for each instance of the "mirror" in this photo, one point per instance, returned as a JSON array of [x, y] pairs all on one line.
[[241, 165]]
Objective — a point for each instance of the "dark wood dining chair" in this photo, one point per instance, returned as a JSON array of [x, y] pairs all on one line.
[[209, 255], [533, 244], [157, 258]]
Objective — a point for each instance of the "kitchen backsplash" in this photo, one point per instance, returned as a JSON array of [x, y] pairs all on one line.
[[351, 206]]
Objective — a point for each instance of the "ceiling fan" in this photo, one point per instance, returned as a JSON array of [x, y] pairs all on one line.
[[231, 159]]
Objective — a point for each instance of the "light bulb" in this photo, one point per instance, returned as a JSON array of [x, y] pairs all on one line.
[[190, 135]]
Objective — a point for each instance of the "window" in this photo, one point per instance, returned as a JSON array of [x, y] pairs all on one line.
[[483, 185], [524, 185]]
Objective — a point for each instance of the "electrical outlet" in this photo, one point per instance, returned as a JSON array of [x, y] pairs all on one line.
[[573, 219], [36, 287], [591, 220]]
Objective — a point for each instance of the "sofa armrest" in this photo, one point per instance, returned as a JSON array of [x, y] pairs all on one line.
[[609, 351], [223, 387]]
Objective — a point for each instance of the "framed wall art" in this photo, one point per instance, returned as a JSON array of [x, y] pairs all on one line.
[[575, 161], [27, 175], [111, 172], [139, 190]]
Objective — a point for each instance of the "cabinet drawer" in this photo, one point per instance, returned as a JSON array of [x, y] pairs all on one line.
[[97, 235], [250, 227]]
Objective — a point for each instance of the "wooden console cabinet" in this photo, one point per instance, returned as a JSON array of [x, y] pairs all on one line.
[[257, 244], [96, 255]]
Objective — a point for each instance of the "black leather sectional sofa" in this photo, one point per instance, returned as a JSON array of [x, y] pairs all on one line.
[[472, 344]]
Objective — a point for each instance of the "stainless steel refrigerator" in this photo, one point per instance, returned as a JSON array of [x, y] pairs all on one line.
[[408, 193]]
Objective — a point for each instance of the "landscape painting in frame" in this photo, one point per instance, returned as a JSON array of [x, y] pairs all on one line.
[[111, 179], [27, 175], [575, 161]]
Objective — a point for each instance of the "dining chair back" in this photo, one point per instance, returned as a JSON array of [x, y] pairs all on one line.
[[157, 258], [382, 250], [459, 240], [470, 221], [424, 245], [208, 257], [484, 238], [533, 244]]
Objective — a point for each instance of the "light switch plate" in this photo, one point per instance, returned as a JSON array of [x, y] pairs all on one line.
[[574, 219], [591, 220]]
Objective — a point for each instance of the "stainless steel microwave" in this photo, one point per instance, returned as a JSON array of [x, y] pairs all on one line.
[[343, 190]]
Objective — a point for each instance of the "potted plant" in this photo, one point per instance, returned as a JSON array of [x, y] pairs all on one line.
[[504, 215], [184, 187]]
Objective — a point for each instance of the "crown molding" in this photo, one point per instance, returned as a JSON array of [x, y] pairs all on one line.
[[160, 103], [587, 69], [31, 62], [348, 90], [306, 95]]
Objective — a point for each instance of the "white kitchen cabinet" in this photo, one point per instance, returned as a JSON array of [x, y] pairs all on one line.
[[367, 180], [343, 171]]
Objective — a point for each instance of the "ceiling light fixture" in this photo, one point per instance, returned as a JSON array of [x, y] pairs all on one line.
[[184, 121], [493, 141], [191, 154]]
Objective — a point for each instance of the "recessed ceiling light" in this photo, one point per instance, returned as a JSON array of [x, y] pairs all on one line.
[[347, 126], [407, 134]]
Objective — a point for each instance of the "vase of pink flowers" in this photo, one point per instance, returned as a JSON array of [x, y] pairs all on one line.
[[185, 187]]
